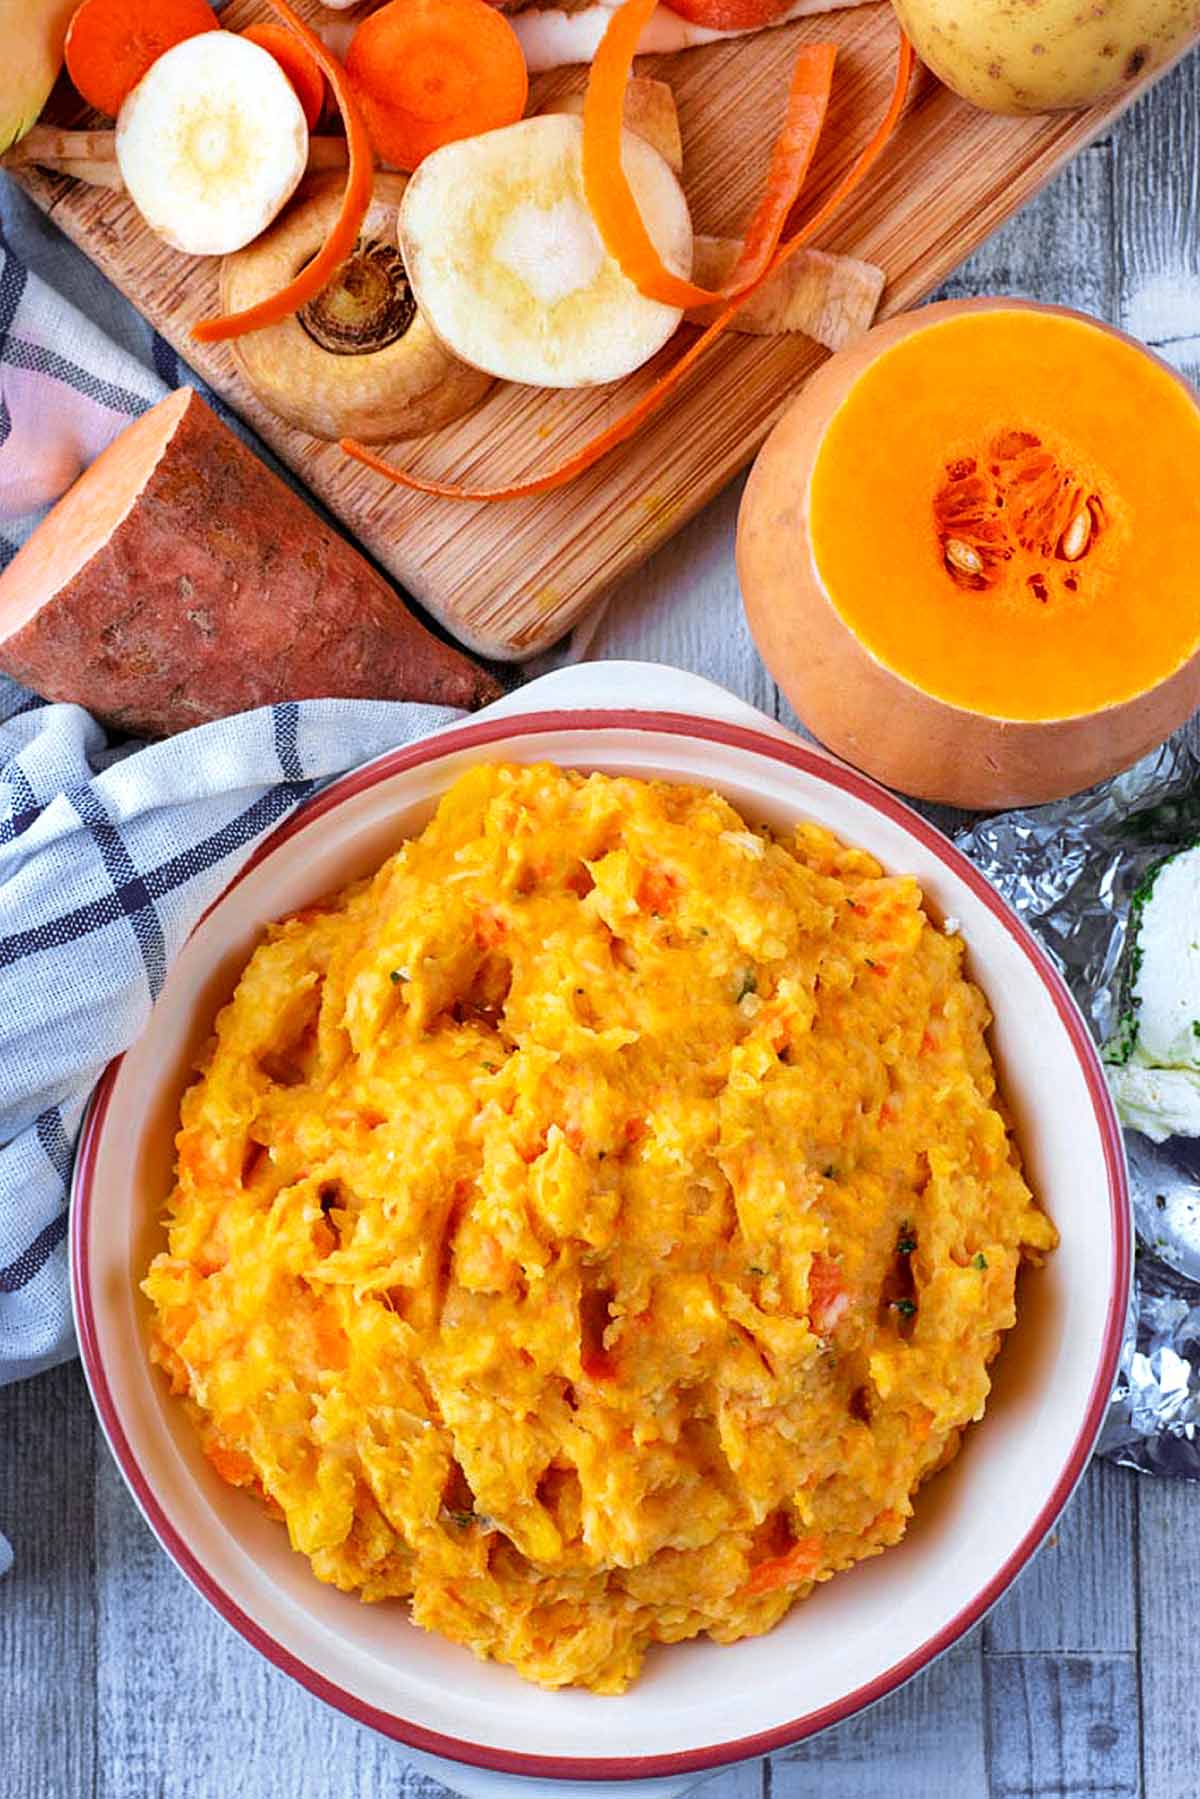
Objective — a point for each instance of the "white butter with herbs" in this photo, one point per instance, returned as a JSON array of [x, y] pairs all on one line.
[[1156, 1082]]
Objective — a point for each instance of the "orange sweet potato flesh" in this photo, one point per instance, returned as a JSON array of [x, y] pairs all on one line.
[[179, 580]]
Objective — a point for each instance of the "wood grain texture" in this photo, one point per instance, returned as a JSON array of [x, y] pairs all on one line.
[[1169, 1638], [48, 1638], [1067, 1598], [510, 579], [1156, 221], [929, 1736], [1063, 1727]]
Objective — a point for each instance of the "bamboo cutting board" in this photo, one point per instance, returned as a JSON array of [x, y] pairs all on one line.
[[509, 578]]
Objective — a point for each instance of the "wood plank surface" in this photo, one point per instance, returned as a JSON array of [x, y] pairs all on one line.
[[510, 579], [1063, 1727], [929, 1736], [1169, 1638], [48, 1634], [116, 1682], [1067, 1598]]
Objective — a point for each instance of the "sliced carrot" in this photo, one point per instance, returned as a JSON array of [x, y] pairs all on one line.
[[610, 197], [111, 43], [489, 929], [300, 67], [360, 176], [427, 72], [656, 890], [233, 1465], [731, 15], [827, 1295], [330, 1341], [797, 1564], [625, 427]]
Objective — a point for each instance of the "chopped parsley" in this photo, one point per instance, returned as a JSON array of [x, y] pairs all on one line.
[[905, 1242], [980, 1260], [398, 975], [905, 1307], [747, 984], [464, 1520], [491, 1067]]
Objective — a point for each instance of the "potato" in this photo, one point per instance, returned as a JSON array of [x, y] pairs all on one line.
[[1018, 56]]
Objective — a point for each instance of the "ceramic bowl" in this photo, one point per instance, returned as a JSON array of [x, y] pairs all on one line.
[[697, 1705]]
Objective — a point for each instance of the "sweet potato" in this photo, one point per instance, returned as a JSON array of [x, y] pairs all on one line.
[[180, 580]]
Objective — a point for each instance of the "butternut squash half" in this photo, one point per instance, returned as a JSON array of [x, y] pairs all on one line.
[[970, 552]]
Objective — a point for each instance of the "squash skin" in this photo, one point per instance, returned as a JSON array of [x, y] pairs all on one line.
[[865, 712]]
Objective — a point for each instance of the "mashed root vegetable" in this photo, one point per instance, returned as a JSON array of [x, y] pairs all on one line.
[[595, 1227]]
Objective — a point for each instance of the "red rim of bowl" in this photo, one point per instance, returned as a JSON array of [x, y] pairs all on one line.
[[793, 754]]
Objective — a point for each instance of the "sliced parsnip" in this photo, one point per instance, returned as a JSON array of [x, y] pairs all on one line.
[[212, 143], [359, 360], [508, 267], [830, 298], [91, 156], [650, 113]]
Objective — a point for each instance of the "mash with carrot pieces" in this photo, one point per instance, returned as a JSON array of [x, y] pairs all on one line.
[[594, 1228]]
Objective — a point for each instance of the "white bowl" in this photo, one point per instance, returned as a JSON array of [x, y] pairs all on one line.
[[697, 1705]]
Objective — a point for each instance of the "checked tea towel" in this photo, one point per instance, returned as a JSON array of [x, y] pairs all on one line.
[[108, 855]]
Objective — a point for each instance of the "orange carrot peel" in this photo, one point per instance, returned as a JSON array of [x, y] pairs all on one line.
[[307, 81], [317, 274], [610, 197], [624, 428]]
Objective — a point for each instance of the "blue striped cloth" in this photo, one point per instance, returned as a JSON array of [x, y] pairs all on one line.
[[108, 854]]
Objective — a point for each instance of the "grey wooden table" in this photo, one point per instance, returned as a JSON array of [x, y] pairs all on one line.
[[117, 1681]]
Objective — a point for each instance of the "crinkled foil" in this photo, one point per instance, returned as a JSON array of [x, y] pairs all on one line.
[[1070, 870]]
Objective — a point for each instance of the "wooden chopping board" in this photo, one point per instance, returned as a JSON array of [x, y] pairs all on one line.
[[509, 578]]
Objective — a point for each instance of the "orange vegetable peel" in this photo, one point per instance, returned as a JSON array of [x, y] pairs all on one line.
[[317, 274], [610, 197], [625, 427]]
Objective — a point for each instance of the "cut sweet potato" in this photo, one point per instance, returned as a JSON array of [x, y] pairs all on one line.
[[650, 113], [179, 581], [832, 299]]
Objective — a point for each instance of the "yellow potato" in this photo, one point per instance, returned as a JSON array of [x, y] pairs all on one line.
[[1018, 56]]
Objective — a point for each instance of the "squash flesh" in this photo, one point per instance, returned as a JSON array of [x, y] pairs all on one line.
[[1116, 423]]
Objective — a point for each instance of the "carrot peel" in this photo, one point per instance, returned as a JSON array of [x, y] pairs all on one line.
[[317, 274], [296, 63], [610, 197], [624, 427]]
